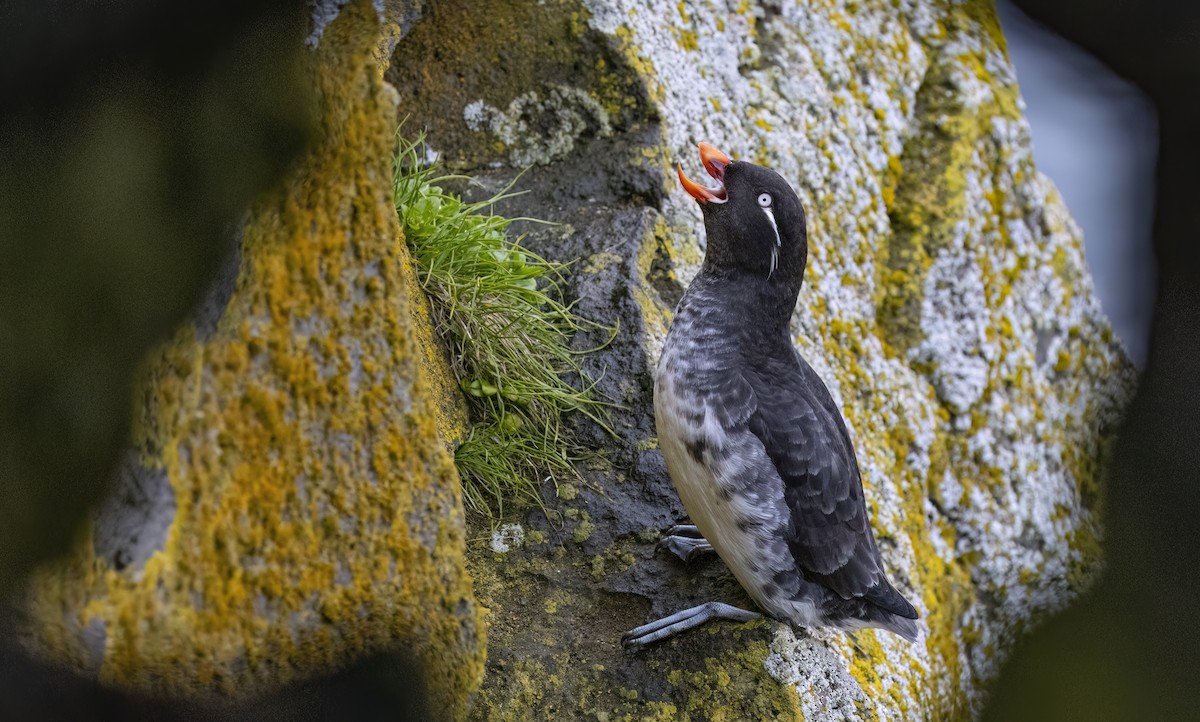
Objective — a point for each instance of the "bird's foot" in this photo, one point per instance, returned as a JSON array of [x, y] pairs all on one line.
[[685, 542], [638, 638]]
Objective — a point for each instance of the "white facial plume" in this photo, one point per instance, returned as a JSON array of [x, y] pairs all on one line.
[[764, 202]]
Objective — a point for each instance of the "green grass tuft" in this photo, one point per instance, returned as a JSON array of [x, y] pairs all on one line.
[[498, 308]]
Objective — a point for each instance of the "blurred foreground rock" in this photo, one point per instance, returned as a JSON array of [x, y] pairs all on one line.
[[125, 158], [288, 502]]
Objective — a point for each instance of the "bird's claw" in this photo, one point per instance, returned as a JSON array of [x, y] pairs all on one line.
[[640, 637], [685, 542], [688, 530]]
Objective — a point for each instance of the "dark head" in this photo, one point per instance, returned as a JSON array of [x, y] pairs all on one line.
[[754, 221]]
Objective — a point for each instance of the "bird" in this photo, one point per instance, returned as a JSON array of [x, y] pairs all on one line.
[[753, 441]]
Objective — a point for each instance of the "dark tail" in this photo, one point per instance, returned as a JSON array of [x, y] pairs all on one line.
[[887, 608], [885, 596], [882, 606], [906, 628]]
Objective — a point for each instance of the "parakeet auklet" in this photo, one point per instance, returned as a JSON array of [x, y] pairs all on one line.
[[752, 439]]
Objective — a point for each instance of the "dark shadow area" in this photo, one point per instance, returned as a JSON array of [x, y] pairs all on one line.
[[379, 687], [1131, 649]]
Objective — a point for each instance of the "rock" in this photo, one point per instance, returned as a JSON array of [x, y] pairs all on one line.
[[127, 158], [947, 305], [288, 503]]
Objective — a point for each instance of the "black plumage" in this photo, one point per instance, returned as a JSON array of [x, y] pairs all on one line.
[[754, 442]]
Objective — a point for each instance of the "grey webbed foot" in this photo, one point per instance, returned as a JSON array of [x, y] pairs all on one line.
[[638, 638], [685, 542]]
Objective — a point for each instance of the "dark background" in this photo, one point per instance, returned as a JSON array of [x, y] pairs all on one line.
[[1131, 648]]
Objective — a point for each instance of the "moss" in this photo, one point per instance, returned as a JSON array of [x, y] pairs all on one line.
[[583, 530], [728, 689], [701, 676], [499, 50], [646, 445], [318, 513], [733, 688], [925, 189]]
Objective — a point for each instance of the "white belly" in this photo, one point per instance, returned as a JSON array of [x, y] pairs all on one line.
[[723, 492], [753, 553]]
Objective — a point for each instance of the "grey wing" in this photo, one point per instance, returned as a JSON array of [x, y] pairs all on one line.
[[828, 532]]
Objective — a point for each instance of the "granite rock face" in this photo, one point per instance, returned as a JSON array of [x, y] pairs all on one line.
[[288, 502], [946, 304]]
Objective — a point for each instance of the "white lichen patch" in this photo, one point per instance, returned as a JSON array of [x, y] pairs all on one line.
[[826, 689], [978, 441], [955, 319], [538, 128], [507, 538]]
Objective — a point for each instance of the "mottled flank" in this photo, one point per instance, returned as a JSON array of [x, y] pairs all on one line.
[[290, 452]]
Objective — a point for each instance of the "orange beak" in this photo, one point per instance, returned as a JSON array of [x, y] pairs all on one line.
[[714, 161]]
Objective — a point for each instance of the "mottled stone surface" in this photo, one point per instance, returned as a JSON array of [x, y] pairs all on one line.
[[947, 305], [288, 503]]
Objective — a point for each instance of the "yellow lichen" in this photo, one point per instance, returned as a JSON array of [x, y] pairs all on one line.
[[928, 186], [317, 512], [687, 39], [1063, 362], [435, 367]]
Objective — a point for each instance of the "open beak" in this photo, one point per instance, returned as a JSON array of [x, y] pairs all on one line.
[[714, 162]]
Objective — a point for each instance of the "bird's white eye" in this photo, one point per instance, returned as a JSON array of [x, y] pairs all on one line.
[[764, 200]]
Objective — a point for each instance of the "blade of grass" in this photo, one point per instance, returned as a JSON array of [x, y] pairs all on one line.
[[498, 307]]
